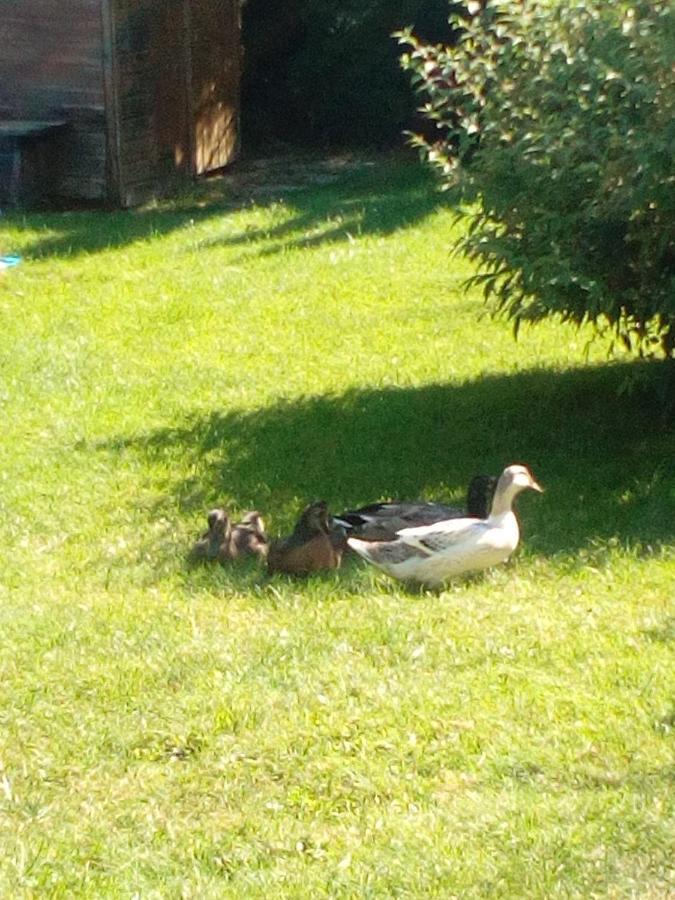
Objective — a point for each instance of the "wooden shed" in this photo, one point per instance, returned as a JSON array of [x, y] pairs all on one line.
[[129, 96]]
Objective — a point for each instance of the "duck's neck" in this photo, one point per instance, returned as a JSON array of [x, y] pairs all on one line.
[[502, 502]]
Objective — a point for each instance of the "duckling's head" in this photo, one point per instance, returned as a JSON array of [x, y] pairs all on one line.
[[210, 543], [219, 523], [254, 520]]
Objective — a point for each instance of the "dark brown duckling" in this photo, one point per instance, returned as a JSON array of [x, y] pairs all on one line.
[[209, 547], [311, 547]]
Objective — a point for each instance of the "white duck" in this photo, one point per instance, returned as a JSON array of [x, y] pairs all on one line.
[[431, 554]]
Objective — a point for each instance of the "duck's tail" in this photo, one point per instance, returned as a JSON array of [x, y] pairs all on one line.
[[348, 522]]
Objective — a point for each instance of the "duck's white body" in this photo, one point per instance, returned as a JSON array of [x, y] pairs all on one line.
[[432, 554]]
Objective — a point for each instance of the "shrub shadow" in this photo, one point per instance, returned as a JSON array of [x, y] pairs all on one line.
[[606, 460], [663, 633]]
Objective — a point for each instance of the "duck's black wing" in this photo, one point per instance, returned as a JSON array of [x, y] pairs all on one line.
[[382, 521]]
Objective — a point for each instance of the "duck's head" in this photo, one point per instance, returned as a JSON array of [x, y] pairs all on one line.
[[520, 477], [517, 478], [512, 481], [315, 519]]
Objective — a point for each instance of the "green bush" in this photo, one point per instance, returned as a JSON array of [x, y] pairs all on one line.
[[557, 123]]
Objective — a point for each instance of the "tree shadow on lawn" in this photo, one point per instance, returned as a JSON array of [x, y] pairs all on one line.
[[331, 200], [606, 460], [372, 200]]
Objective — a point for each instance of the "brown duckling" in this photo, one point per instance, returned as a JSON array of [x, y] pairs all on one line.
[[311, 547], [210, 545], [248, 537]]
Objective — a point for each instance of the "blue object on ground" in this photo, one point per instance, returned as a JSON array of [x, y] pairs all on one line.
[[6, 262]]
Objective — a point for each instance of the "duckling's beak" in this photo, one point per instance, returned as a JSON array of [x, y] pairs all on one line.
[[536, 487]]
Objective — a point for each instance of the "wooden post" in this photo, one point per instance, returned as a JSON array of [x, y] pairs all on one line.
[[187, 63], [114, 192]]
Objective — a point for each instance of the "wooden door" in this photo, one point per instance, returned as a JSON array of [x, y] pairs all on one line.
[[213, 88]]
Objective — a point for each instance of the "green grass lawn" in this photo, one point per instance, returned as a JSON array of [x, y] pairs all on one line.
[[292, 332]]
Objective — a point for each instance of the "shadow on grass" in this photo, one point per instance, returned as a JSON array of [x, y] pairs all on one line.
[[663, 633], [331, 200], [374, 199], [606, 460]]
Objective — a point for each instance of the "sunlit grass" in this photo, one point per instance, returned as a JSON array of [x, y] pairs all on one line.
[[168, 731]]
